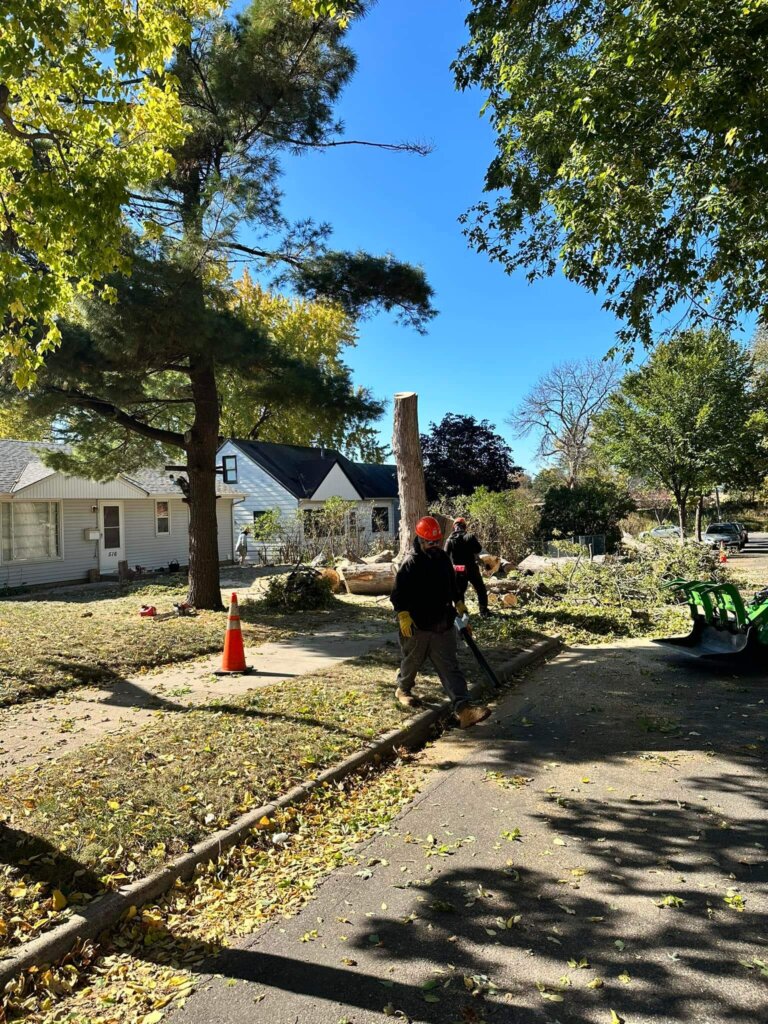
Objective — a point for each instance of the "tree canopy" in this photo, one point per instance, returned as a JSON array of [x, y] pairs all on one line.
[[685, 419], [338, 414], [87, 113], [461, 454], [631, 150]]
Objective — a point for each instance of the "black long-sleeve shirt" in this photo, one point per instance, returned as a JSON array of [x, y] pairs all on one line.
[[426, 587], [463, 548]]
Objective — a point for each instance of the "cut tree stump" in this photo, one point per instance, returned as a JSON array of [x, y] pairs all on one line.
[[334, 578], [369, 579], [410, 470]]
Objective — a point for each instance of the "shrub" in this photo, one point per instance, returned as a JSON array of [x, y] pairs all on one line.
[[590, 508], [504, 521]]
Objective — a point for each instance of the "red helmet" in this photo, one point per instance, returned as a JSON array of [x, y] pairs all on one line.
[[428, 528], [461, 521]]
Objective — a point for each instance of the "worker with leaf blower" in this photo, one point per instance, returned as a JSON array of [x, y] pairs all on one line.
[[463, 549], [426, 600]]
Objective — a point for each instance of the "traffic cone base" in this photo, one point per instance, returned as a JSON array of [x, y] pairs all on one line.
[[233, 658]]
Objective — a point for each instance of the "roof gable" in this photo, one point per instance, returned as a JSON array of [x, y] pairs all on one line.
[[336, 484]]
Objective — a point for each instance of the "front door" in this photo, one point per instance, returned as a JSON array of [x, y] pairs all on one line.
[[112, 543]]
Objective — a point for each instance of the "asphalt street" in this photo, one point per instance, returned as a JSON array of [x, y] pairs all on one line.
[[597, 848]]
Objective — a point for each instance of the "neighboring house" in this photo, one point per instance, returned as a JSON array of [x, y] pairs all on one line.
[[298, 480], [56, 528]]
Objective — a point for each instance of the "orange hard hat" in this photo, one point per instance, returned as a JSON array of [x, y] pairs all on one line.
[[461, 521], [428, 528]]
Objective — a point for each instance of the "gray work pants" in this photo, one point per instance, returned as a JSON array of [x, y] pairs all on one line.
[[440, 648]]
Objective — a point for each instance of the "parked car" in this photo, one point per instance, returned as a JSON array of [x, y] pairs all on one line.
[[743, 532], [662, 532], [722, 533]]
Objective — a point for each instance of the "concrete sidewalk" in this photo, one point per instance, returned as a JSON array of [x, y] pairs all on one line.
[[597, 847], [45, 730]]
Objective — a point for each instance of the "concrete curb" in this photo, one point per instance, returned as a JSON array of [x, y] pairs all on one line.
[[107, 910]]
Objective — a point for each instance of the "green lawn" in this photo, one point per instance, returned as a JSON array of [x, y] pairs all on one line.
[[119, 808], [95, 635]]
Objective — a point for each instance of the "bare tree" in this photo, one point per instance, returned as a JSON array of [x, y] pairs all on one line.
[[561, 407]]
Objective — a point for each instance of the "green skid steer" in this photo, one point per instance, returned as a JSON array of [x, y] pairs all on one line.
[[722, 623]]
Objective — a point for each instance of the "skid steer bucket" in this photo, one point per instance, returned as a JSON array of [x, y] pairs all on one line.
[[722, 625], [711, 642]]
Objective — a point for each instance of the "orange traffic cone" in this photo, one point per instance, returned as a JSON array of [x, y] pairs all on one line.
[[723, 555], [233, 660]]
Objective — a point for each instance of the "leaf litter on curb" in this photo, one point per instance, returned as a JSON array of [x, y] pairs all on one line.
[[148, 963]]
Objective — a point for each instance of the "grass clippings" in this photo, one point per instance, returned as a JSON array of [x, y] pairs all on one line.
[[88, 636]]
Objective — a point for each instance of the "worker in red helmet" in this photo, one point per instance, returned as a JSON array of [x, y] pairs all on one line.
[[463, 549], [426, 600]]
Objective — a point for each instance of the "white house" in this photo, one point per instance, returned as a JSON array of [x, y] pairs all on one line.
[[56, 528], [297, 480]]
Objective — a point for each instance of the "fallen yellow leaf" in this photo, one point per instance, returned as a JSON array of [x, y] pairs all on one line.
[[58, 899]]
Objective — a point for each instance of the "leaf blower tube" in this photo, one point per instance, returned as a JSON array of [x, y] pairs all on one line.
[[462, 624]]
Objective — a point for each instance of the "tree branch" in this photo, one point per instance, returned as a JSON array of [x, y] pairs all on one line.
[[262, 253], [124, 419], [420, 148]]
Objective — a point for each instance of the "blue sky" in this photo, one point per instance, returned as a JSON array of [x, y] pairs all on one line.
[[496, 334]]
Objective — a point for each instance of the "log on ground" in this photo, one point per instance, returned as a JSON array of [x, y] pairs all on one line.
[[369, 579]]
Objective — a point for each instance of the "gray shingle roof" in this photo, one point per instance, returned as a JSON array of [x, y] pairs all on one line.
[[159, 481], [20, 466], [19, 463]]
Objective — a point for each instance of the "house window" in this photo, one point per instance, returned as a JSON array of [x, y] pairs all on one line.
[[257, 514], [380, 519], [229, 469], [162, 517], [30, 531]]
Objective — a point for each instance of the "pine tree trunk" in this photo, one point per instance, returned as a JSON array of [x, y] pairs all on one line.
[[201, 444], [410, 469]]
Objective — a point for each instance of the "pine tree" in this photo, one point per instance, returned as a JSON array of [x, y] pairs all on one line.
[[251, 88]]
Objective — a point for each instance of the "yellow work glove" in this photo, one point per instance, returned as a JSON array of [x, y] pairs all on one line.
[[461, 608], [406, 623]]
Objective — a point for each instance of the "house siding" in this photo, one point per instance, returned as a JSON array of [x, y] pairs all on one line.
[[58, 487], [336, 485], [142, 546], [263, 493]]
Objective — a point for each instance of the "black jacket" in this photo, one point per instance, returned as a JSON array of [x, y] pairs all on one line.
[[463, 549], [426, 587]]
